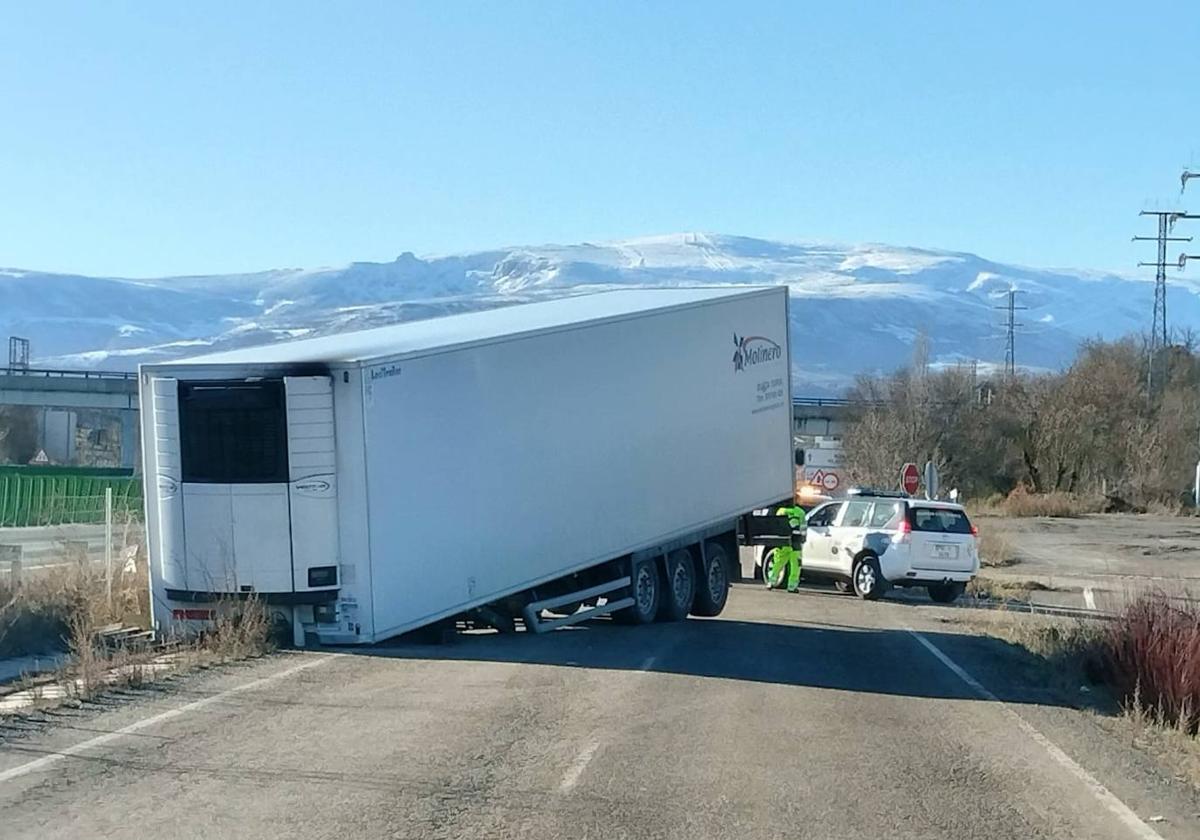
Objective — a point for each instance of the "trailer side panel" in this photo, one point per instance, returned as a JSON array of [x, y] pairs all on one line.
[[496, 467]]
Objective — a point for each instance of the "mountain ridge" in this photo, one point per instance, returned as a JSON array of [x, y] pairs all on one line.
[[855, 308]]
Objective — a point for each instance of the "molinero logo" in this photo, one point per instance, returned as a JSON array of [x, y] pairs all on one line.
[[753, 350]]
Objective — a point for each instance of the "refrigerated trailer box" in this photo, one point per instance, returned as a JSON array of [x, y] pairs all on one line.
[[369, 483]]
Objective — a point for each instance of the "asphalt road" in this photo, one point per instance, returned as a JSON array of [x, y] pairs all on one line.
[[811, 716]]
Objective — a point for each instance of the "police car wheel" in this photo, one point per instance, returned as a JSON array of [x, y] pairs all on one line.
[[868, 579], [767, 562]]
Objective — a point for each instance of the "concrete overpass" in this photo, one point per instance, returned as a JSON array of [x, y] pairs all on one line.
[[821, 416], [68, 388], [61, 394]]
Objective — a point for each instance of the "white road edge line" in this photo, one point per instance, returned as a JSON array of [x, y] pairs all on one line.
[[1106, 797], [571, 777], [100, 740], [1089, 597]]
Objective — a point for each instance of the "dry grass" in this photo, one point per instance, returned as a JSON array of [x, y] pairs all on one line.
[[981, 586], [42, 613], [1021, 503], [241, 630], [1051, 651], [1158, 507], [995, 549], [68, 607], [1058, 640]]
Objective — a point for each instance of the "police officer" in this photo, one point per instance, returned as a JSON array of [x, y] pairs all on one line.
[[791, 555]]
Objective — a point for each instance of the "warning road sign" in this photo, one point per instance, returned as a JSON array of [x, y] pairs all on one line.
[[827, 480]]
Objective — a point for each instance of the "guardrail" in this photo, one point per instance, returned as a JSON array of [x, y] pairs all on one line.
[[833, 402], [52, 373]]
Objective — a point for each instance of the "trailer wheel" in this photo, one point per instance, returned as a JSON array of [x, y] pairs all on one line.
[[646, 590], [712, 587], [680, 591]]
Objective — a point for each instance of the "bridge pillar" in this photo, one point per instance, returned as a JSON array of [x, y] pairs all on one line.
[[129, 439]]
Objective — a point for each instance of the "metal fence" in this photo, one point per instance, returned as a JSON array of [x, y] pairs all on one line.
[[40, 500]]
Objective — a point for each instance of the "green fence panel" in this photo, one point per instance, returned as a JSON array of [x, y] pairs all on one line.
[[58, 496]]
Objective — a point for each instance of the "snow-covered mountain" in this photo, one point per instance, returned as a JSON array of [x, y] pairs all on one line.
[[854, 308]]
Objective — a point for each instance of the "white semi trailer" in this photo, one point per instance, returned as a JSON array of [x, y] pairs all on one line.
[[590, 453]]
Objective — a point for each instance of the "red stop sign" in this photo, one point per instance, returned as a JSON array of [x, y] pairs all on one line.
[[910, 479]]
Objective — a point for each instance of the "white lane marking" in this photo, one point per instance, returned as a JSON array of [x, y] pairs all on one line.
[[1089, 597], [100, 740], [571, 777], [1106, 797]]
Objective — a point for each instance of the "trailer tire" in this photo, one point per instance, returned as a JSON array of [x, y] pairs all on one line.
[[712, 584], [646, 589], [679, 591]]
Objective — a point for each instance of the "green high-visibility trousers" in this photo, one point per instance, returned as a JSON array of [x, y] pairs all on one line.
[[785, 554]]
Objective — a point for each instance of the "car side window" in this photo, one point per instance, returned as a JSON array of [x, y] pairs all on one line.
[[856, 514], [824, 516], [886, 515]]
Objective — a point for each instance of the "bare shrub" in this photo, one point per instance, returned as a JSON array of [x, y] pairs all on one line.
[[1152, 660], [242, 629], [88, 664], [52, 604]]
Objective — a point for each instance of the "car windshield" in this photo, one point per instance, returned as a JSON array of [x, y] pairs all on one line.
[[940, 520]]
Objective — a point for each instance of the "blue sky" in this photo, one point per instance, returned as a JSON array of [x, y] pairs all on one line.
[[141, 139]]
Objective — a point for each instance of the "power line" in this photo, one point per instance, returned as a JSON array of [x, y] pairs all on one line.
[[1010, 338], [1159, 335]]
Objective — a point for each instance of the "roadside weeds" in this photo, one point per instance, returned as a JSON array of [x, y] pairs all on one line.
[[69, 608], [1140, 671]]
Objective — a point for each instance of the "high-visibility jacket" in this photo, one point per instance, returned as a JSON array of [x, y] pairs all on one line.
[[797, 518], [798, 521]]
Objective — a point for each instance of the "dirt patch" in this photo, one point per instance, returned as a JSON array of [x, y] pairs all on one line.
[[1100, 545]]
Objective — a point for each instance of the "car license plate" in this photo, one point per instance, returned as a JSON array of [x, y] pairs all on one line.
[[944, 551]]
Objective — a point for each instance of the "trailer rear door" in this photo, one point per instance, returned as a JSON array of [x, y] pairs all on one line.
[[256, 482], [312, 480]]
